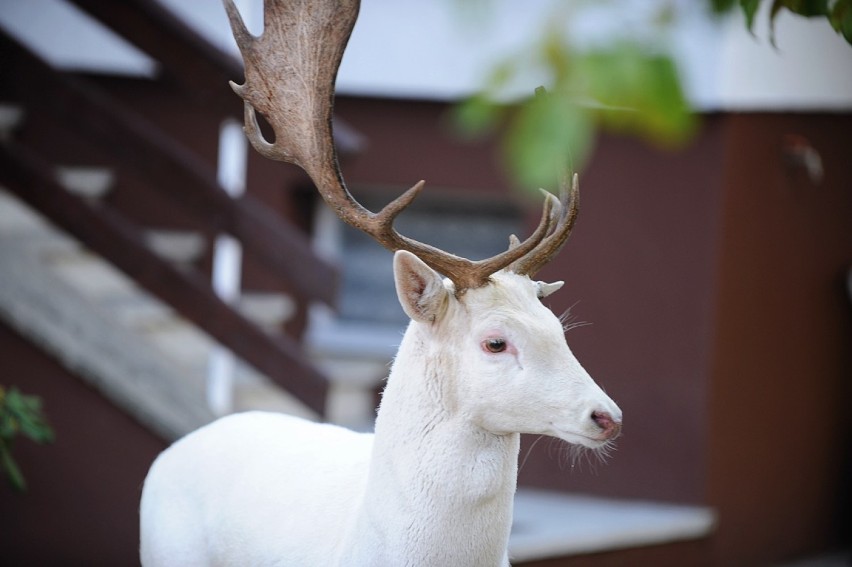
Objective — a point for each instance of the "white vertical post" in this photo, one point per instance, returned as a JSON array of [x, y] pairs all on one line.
[[227, 263]]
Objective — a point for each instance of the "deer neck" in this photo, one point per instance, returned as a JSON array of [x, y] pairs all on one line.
[[449, 484]]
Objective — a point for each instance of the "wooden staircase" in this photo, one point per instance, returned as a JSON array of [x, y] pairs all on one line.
[[111, 255]]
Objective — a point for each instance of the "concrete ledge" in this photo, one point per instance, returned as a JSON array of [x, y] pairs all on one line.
[[553, 524]]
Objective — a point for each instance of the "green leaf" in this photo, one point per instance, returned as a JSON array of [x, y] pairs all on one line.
[[722, 6], [841, 18], [22, 415], [502, 74], [777, 5], [807, 8], [8, 425], [10, 467], [556, 58], [548, 134], [640, 93], [476, 116], [749, 8], [837, 13], [37, 430]]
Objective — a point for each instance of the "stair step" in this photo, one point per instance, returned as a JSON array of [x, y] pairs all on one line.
[[351, 398], [269, 310], [181, 342], [190, 349], [182, 247], [90, 275], [11, 118], [16, 218], [91, 183], [253, 391], [133, 306], [138, 311]]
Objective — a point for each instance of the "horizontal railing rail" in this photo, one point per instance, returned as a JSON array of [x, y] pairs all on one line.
[[187, 59], [167, 167], [137, 148]]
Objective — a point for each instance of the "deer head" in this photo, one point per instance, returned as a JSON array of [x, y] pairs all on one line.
[[509, 369]]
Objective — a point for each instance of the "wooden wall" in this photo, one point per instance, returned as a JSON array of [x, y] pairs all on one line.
[[82, 504], [779, 419]]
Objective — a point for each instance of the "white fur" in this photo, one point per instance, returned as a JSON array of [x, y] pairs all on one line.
[[432, 487]]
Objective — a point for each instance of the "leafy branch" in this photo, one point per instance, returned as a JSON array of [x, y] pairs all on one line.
[[20, 415], [837, 12], [630, 85]]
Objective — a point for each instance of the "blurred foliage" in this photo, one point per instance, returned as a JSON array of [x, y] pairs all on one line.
[[20, 415], [628, 85], [837, 12]]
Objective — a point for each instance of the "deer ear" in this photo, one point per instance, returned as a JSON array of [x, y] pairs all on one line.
[[420, 289]]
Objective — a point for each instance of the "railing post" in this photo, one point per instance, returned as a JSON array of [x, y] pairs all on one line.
[[227, 263]]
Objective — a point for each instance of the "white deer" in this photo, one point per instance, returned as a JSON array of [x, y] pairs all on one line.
[[482, 361]]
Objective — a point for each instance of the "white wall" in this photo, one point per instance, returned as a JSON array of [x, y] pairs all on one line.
[[440, 49], [70, 39], [810, 69]]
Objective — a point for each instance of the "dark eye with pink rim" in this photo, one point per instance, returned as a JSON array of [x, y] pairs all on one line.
[[495, 345]]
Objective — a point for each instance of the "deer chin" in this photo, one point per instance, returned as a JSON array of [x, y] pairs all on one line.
[[577, 438]]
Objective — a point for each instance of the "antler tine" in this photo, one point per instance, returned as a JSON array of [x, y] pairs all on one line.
[[290, 73], [565, 216], [469, 274], [464, 273]]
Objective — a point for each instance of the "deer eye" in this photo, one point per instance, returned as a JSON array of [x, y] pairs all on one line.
[[494, 345]]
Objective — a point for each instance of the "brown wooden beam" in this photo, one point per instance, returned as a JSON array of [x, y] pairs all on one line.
[[168, 167], [112, 236], [201, 69]]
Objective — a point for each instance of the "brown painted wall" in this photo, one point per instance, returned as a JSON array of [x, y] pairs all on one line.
[[83, 497], [640, 268], [783, 354], [408, 141]]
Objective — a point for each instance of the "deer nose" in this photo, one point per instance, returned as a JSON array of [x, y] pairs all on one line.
[[610, 426]]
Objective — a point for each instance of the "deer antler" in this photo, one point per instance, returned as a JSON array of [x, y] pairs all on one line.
[[564, 215], [290, 74]]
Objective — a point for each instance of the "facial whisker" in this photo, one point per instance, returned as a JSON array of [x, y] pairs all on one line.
[[529, 452], [580, 455], [569, 320]]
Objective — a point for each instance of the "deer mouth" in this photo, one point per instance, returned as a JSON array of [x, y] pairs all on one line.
[[584, 439]]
